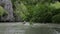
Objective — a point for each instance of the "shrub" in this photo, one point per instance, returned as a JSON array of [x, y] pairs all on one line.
[[2, 11], [21, 10], [56, 8], [41, 13], [56, 18], [56, 5]]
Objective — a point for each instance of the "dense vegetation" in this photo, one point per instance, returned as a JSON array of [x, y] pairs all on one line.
[[41, 11]]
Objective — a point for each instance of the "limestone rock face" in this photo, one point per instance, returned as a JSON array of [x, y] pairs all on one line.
[[7, 5]]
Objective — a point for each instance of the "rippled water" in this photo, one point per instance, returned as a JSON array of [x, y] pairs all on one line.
[[19, 28], [41, 30]]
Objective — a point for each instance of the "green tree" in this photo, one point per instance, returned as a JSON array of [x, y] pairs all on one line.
[[56, 18]]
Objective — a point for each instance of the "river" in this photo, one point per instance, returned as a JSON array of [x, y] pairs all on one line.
[[19, 28]]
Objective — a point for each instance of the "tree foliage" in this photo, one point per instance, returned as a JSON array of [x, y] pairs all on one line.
[[43, 11], [56, 18], [37, 10]]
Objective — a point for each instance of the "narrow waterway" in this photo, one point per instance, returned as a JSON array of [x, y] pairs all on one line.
[[19, 28]]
